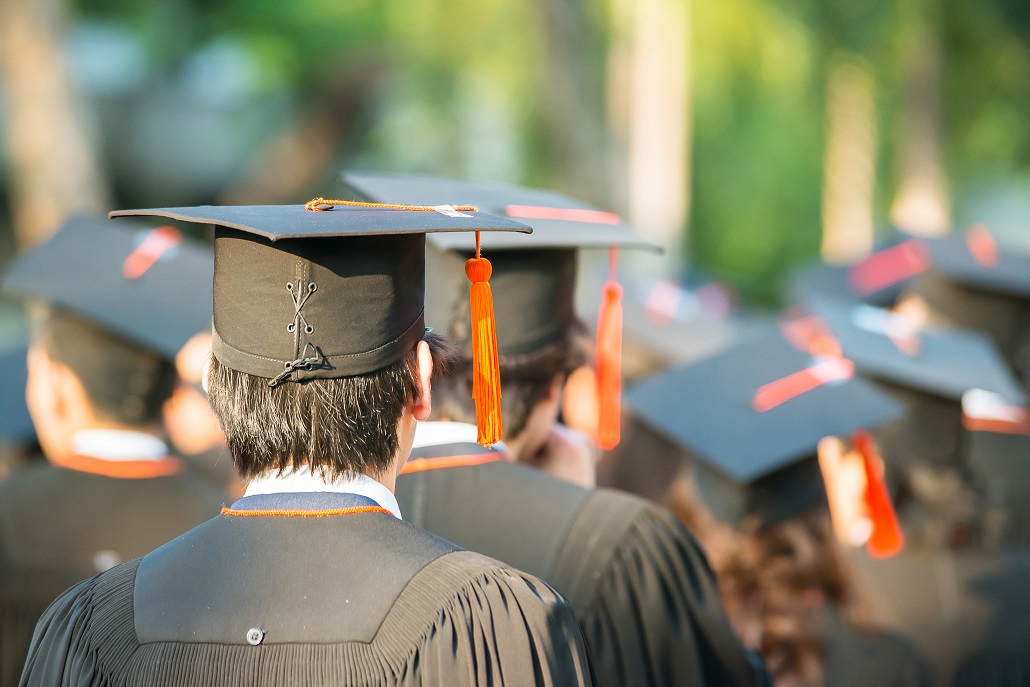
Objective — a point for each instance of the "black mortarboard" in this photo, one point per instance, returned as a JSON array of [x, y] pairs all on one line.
[[939, 362], [974, 258], [150, 286], [320, 293], [557, 220], [533, 276], [877, 279], [752, 417], [976, 284]]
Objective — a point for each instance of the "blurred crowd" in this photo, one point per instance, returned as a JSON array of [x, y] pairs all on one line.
[[851, 468]]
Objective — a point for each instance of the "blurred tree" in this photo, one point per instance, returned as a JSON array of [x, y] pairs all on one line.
[[53, 166]]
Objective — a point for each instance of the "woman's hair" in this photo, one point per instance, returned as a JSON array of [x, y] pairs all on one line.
[[336, 427], [772, 579]]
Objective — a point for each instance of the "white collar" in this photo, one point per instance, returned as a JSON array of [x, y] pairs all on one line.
[[299, 480], [442, 433], [118, 445]]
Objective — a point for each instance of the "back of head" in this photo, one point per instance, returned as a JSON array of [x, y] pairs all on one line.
[[538, 335], [774, 582], [125, 383], [337, 426]]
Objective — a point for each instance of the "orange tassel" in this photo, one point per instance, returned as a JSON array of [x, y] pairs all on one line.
[[486, 375], [609, 360], [886, 539]]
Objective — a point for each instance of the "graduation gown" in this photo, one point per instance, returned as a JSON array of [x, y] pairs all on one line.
[[859, 658], [59, 526], [642, 590], [267, 594], [966, 609]]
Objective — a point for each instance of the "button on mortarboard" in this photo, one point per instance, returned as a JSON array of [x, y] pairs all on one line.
[[752, 417], [150, 286], [320, 294]]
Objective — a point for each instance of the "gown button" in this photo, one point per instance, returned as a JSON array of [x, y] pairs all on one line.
[[255, 635]]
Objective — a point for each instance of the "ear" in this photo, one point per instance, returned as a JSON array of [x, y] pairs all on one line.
[[423, 377]]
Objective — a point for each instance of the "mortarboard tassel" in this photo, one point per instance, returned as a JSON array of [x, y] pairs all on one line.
[[486, 376], [609, 359], [886, 538]]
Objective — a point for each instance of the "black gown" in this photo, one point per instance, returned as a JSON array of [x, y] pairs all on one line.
[[642, 590], [59, 526], [859, 658], [267, 594], [966, 609]]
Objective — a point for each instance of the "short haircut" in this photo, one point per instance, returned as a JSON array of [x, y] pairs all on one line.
[[338, 427], [124, 382], [525, 380]]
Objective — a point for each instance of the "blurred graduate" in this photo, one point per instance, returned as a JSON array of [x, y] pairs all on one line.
[[112, 306], [321, 369], [641, 588]]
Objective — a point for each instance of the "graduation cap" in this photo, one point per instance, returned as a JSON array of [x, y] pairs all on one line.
[[149, 285], [928, 369], [978, 284], [752, 416], [334, 289], [534, 276], [935, 361], [878, 279]]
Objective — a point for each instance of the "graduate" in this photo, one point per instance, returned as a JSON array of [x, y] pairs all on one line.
[[970, 618], [977, 283], [642, 590], [321, 369], [99, 370], [755, 419]]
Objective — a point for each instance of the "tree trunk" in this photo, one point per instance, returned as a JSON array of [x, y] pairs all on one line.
[[921, 203], [650, 114], [53, 166], [849, 172]]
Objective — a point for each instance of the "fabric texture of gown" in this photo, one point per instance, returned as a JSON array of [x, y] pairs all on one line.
[[269, 594], [641, 588], [59, 526]]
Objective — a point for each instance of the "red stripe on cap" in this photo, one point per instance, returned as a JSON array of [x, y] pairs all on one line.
[[157, 242], [982, 245], [564, 214], [889, 267], [777, 393]]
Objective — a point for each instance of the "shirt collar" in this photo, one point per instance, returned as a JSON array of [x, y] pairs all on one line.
[[299, 480], [118, 445], [442, 433]]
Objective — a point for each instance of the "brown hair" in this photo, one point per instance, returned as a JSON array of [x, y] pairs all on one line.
[[525, 380], [335, 426], [125, 383], [772, 579]]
